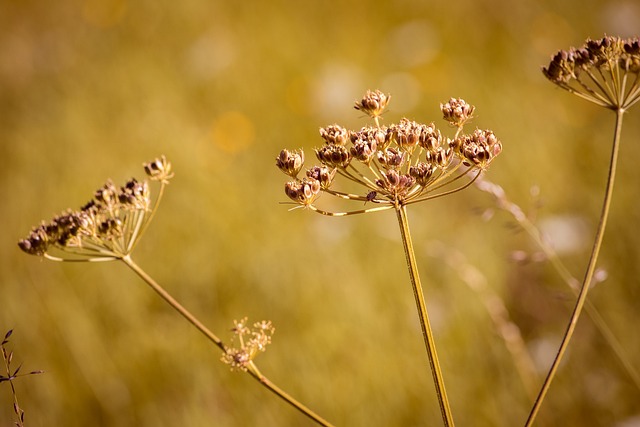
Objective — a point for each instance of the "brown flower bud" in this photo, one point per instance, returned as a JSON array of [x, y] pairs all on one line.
[[290, 162], [158, 169], [323, 174], [304, 192], [334, 156], [391, 158], [334, 134], [457, 111], [373, 103]]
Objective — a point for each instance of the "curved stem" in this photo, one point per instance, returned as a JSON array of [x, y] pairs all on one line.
[[436, 372], [582, 296], [252, 368]]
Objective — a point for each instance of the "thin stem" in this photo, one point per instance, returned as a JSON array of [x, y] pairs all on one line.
[[173, 303], [252, 368], [582, 296], [255, 373], [527, 225], [436, 372]]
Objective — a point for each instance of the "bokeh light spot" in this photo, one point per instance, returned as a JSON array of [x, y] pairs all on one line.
[[232, 132]]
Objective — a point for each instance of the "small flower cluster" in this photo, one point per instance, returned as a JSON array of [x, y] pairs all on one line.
[[105, 228], [252, 342], [397, 164], [598, 71]]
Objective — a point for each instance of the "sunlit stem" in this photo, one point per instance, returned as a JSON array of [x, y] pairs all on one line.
[[574, 284], [173, 303], [434, 364], [252, 369], [139, 230], [348, 213], [255, 373], [582, 296], [446, 193]]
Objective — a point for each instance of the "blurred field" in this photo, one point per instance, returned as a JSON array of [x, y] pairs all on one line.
[[91, 89]]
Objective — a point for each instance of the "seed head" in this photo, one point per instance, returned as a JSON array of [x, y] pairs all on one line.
[[393, 165], [322, 174], [303, 191], [334, 135], [334, 156], [373, 103], [159, 169], [290, 162], [457, 111], [107, 227], [252, 341], [479, 148], [598, 71]]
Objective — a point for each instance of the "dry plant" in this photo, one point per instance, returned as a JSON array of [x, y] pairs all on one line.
[[378, 166], [11, 375], [605, 72], [393, 167], [109, 227]]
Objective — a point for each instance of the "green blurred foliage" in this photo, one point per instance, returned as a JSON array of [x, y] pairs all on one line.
[[89, 89]]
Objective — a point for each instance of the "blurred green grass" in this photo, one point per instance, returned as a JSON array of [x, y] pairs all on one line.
[[91, 89]]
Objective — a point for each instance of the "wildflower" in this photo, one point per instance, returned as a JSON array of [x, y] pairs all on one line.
[[105, 228], [457, 111], [402, 163], [603, 71], [373, 103], [252, 341]]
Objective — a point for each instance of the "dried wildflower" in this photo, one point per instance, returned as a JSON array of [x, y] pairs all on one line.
[[303, 192], [323, 175], [105, 228], [373, 103], [334, 135], [290, 162], [603, 71], [397, 164], [457, 111], [252, 341], [479, 148], [11, 374], [159, 169], [334, 155], [392, 167]]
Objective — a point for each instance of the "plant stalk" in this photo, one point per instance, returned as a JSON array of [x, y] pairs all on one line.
[[591, 266], [429, 341], [252, 369]]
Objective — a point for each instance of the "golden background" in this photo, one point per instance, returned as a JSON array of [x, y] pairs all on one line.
[[91, 89]]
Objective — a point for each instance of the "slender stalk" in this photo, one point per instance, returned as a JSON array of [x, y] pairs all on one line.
[[173, 303], [255, 373], [252, 369], [436, 372], [591, 266]]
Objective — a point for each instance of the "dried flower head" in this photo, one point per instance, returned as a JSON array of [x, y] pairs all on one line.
[[373, 103], [395, 165], [252, 341], [290, 162], [159, 169], [603, 71], [457, 111], [107, 227]]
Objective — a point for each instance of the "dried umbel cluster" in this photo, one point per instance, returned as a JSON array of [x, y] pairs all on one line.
[[396, 165], [252, 341], [105, 228], [604, 71]]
